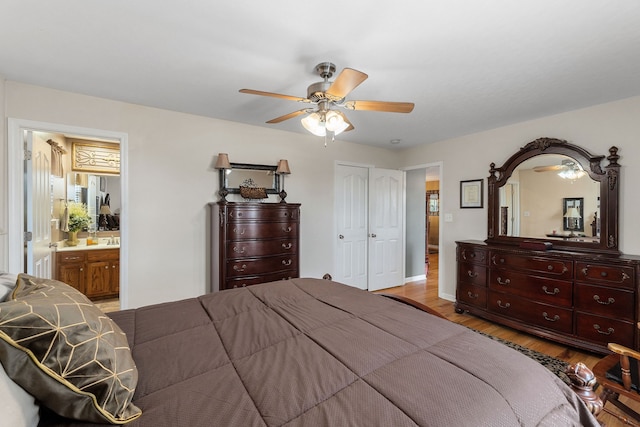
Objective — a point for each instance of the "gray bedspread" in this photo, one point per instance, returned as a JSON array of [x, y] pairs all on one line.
[[310, 352]]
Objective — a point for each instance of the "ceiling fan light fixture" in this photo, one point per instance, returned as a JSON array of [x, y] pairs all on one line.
[[572, 174], [335, 122], [314, 124]]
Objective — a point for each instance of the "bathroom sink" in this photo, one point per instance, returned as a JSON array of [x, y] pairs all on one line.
[[82, 246]]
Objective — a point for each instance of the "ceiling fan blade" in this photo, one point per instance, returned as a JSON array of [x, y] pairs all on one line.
[[288, 116], [274, 95], [549, 168], [390, 107], [347, 80], [344, 117]]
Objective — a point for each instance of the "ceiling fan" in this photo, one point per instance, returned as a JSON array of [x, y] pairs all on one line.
[[322, 118], [566, 169]]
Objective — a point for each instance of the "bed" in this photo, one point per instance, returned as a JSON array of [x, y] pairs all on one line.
[[300, 352]]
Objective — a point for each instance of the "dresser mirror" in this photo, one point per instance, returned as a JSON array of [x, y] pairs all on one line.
[[250, 175], [553, 191]]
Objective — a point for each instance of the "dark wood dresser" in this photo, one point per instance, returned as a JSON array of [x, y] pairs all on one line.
[[580, 299], [253, 243]]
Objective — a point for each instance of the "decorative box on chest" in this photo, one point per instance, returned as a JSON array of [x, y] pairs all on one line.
[[253, 243]]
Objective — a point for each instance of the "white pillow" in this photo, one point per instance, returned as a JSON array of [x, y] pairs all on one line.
[[18, 408], [7, 283]]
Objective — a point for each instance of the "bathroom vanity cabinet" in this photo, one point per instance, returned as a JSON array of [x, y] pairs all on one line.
[[253, 243], [95, 273]]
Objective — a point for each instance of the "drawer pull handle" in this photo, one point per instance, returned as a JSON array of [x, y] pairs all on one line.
[[585, 271], [472, 295], [287, 230], [609, 300], [548, 292], [236, 268], [503, 282], [238, 231], [286, 262], [471, 255], [506, 305], [472, 274], [597, 328], [238, 250], [550, 319], [286, 246]]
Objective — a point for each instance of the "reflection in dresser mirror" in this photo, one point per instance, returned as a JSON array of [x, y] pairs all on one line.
[[557, 192], [251, 175]]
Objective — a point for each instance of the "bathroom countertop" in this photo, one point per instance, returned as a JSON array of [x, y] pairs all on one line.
[[82, 246]]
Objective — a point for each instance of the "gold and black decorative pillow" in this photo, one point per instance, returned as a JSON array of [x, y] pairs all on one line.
[[67, 353]]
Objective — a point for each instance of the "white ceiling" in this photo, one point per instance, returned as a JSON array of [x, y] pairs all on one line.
[[467, 65]]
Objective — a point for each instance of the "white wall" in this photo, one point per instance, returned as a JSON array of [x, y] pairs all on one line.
[[171, 180], [595, 128], [4, 238]]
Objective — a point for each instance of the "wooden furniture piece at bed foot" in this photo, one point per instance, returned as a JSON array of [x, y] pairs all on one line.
[[582, 382], [617, 373]]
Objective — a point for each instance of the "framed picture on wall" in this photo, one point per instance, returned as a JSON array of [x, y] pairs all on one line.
[[471, 193]]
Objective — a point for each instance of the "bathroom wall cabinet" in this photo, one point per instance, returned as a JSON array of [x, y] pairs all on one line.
[[253, 243], [95, 273]]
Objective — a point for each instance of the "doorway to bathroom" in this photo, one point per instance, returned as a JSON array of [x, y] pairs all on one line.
[[53, 195]]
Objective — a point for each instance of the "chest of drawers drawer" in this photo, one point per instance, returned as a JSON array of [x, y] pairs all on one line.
[[606, 301], [539, 288], [252, 266], [248, 231], [244, 281], [604, 330], [471, 254], [470, 294], [472, 273], [259, 213], [605, 274], [550, 267], [253, 248], [543, 315]]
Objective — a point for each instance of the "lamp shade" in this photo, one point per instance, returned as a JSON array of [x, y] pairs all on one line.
[[319, 123], [283, 167], [572, 213], [223, 161]]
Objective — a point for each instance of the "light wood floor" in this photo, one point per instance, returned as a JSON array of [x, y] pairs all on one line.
[[426, 292]]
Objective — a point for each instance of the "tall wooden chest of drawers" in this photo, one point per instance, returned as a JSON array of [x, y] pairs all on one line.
[[253, 243], [581, 299]]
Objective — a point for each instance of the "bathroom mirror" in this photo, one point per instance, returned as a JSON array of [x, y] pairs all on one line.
[[250, 175], [92, 190], [528, 196]]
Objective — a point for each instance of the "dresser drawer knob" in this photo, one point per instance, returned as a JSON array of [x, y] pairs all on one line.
[[238, 250], [236, 268], [506, 305], [286, 262], [503, 282], [609, 300], [287, 230], [550, 267], [603, 274], [472, 295], [600, 331], [548, 292], [287, 245], [238, 231], [550, 319], [472, 274]]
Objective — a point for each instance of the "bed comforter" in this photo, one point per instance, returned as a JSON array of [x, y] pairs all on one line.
[[310, 352]]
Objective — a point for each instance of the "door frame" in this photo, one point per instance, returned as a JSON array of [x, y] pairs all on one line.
[[15, 184], [442, 197]]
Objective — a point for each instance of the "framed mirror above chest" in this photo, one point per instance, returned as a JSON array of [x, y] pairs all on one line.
[[551, 264]]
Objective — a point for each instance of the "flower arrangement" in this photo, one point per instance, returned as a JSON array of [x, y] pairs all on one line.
[[78, 216]]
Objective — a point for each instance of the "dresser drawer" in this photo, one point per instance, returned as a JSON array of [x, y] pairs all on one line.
[[604, 330], [253, 248], [605, 274], [473, 295], [543, 315], [248, 231], [472, 254], [252, 266], [472, 273], [606, 301], [556, 268], [543, 289], [259, 213], [241, 282]]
